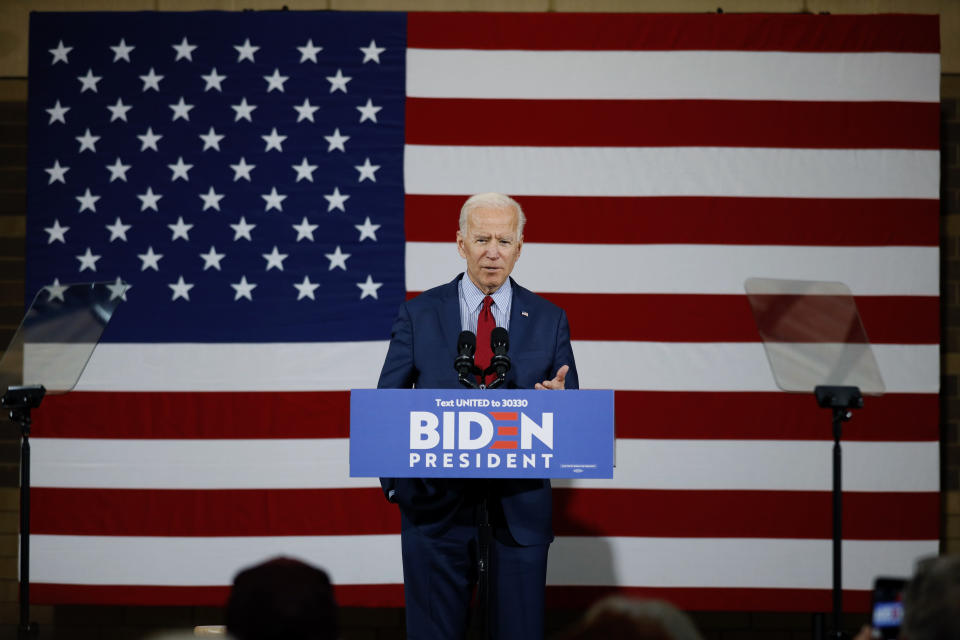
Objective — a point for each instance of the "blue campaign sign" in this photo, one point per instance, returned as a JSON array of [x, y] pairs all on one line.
[[466, 433]]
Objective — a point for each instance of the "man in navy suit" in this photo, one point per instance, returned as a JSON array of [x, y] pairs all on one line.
[[440, 517]]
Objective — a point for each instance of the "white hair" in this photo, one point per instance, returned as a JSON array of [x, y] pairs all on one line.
[[491, 201]]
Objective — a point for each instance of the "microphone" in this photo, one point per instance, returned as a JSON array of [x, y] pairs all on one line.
[[466, 347], [499, 345]]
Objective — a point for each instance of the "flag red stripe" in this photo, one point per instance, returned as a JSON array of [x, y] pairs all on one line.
[[639, 414], [728, 318], [663, 32], [698, 220], [577, 512], [391, 595], [670, 123]]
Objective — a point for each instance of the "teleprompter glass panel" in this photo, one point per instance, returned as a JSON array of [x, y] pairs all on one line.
[[813, 335], [58, 334]]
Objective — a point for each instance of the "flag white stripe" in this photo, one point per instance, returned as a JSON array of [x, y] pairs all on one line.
[[693, 268], [641, 464], [659, 75], [362, 559], [672, 171], [682, 366]]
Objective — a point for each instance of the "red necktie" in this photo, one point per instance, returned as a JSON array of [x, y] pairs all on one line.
[[485, 325]]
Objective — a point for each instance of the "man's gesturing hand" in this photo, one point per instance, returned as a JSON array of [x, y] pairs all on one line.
[[557, 382]]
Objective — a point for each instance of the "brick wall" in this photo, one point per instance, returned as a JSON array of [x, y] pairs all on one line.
[[950, 308]]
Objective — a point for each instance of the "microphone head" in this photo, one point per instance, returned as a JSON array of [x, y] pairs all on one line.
[[499, 341], [467, 342]]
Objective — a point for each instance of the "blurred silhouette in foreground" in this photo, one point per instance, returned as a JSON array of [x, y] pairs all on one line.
[[282, 599], [931, 602], [620, 618]]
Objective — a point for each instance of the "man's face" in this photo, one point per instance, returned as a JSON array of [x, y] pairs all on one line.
[[490, 246]]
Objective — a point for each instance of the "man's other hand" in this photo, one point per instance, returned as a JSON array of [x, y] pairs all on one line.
[[557, 382]]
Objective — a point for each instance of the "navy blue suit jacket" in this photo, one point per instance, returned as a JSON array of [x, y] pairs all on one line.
[[423, 346]]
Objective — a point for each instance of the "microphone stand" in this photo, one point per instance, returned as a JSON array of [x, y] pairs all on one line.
[[466, 369]]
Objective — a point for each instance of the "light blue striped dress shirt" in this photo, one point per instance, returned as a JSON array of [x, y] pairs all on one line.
[[471, 301]]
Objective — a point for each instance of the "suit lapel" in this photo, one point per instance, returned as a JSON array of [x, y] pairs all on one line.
[[519, 323], [449, 316]]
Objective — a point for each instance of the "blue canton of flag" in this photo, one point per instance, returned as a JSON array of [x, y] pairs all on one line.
[[235, 176]]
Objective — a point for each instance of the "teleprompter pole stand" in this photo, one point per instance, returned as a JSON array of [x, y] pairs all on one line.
[[20, 401], [840, 400]]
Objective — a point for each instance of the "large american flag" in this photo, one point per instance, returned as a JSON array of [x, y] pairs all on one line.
[[266, 188]]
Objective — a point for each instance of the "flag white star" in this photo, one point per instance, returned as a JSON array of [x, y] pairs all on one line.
[[305, 229], [245, 51], [149, 140], [87, 201], [274, 259], [274, 141], [150, 260], [211, 139], [119, 289], [88, 260], [118, 170], [308, 51], [273, 199], [89, 81], [56, 290], [59, 234], [122, 52], [372, 52], [118, 230], [338, 82], [306, 288], [243, 110], [304, 170], [119, 111], [87, 141], [212, 80], [338, 259], [57, 172], [57, 113], [180, 230], [367, 230], [181, 110], [60, 55], [335, 200], [242, 170], [275, 81], [305, 111], [211, 259], [368, 111], [151, 80], [211, 199], [184, 50], [180, 170], [149, 200], [242, 229], [336, 141], [367, 170], [243, 289], [180, 289], [369, 288]]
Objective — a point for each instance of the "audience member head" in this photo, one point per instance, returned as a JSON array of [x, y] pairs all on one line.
[[619, 618], [931, 602], [282, 599]]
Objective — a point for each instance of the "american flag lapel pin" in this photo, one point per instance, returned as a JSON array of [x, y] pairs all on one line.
[[525, 314]]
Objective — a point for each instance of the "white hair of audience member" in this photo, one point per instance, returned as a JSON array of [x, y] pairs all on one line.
[[491, 201], [931, 602]]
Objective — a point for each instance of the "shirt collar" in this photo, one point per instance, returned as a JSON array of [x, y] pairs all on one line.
[[474, 296]]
